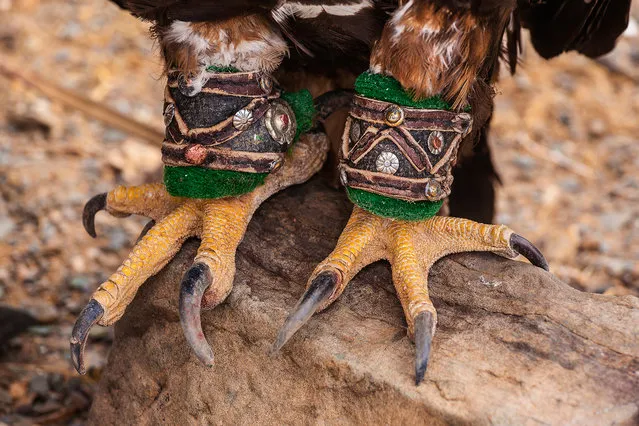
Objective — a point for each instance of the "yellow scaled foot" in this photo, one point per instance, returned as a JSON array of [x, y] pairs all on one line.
[[411, 248], [219, 223]]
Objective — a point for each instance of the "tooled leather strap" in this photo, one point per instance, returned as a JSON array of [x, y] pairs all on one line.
[[249, 84], [226, 121], [401, 152]]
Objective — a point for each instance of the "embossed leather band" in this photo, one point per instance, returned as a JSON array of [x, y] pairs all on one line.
[[400, 152], [230, 121]]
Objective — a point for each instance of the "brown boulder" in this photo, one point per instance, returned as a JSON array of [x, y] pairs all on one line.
[[514, 345]]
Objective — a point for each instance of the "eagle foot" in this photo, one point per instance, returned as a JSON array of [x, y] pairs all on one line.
[[411, 247], [219, 223]]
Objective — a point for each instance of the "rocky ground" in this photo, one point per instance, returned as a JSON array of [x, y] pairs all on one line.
[[564, 137]]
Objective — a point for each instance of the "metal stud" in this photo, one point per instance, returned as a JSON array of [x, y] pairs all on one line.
[[242, 119], [280, 122], [169, 113], [394, 116], [355, 131], [387, 162], [433, 190], [435, 142]]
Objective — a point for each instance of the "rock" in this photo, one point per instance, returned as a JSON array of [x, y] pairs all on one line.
[[514, 345], [39, 385]]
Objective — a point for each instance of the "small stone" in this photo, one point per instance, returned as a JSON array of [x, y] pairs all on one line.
[[7, 225], [113, 135], [40, 330], [56, 382], [39, 385], [18, 390], [80, 282], [43, 312], [5, 398], [525, 162], [571, 185], [47, 407]]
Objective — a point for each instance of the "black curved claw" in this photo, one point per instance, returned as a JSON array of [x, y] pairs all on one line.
[[529, 251], [150, 224], [195, 282], [91, 314], [320, 289], [91, 208], [330, 102], [423, 338]]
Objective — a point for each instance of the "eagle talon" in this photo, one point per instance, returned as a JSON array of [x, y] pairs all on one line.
[[411, 247], [423, 332], [220, 224], [527, 249], [89, 316], [320, 289], [91, 208], [195, 282]]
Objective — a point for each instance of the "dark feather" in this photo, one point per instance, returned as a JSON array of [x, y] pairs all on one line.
[[558, 26], [164, 11], [513, 41], [332, 41]]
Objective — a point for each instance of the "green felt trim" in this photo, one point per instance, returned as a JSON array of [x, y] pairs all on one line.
[[392, 207], [221, 69], [197, 182], [387, 89], [304, 109]]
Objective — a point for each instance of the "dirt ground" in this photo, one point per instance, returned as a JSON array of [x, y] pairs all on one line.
[[564, 140]]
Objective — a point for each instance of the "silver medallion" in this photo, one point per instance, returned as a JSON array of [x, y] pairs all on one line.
[[387, 162], [435, 142], [243, 119], [280, 122]]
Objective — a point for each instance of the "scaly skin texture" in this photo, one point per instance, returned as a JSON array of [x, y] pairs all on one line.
[[411, 248], [219, 223]]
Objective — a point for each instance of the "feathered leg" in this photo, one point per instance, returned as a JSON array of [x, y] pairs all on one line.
[[231, 142], [400, 143]]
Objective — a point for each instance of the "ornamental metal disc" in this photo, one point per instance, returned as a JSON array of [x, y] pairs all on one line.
[[394, 115], [387, 162], [243, 119], [280, 122], [435, 142], [433, 190]]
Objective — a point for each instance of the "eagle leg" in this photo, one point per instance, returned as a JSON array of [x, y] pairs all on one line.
[[232, 140], [411, 247], [219, 223], [400, 144]]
